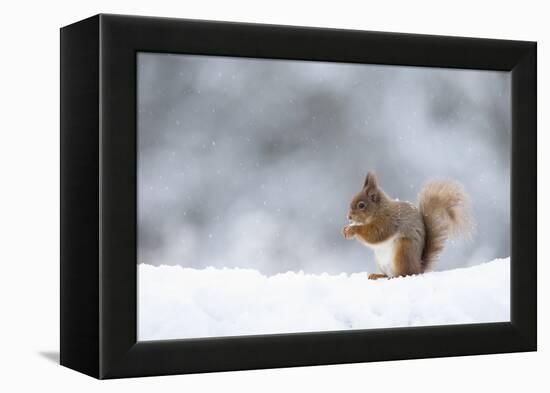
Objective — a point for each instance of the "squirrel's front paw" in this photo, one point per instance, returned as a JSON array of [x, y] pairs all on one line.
[[348, 232]]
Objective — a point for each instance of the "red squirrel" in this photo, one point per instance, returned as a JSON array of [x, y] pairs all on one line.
[[407, 239]]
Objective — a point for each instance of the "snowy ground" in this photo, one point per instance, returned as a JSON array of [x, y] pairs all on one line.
[[176, 302]]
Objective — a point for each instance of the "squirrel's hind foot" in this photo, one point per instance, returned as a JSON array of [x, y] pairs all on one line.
[[374, 276]]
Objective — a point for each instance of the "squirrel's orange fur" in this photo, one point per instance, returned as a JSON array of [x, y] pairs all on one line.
[[406, 239]]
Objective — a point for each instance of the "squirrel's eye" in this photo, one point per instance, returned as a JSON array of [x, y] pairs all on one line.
[[361, 205]]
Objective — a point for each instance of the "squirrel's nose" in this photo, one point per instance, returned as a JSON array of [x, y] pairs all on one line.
[[349, 216]]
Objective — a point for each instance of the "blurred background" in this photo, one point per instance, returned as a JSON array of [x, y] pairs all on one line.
[[252, 163]]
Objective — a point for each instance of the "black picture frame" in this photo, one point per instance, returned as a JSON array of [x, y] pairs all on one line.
[[98, 196]]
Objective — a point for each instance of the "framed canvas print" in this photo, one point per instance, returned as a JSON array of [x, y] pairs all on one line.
[[239, 196]]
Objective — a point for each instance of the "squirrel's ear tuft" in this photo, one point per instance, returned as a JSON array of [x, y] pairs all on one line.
[[370, 181]]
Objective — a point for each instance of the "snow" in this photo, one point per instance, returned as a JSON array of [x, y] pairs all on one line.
[[176, 302]]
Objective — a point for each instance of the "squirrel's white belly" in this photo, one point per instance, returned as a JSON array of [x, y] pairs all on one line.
[[384, 253]]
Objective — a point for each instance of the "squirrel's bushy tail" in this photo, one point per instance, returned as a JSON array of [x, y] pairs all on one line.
[[445, 208]]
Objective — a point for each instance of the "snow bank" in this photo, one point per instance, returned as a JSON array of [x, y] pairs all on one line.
[[176, 302]]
